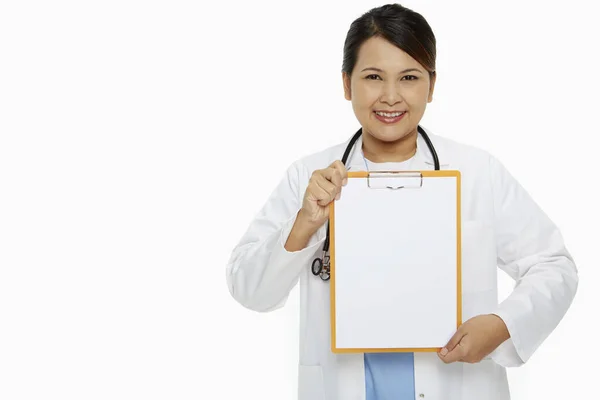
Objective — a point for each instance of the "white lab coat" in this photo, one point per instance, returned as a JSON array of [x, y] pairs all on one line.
[[501, 226]]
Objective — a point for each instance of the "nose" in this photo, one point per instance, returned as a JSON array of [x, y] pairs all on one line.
[[390, 93]]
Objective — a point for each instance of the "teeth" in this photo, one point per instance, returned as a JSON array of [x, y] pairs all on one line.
[[389, 115]]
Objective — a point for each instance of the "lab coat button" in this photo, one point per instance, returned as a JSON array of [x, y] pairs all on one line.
[[421, 395]]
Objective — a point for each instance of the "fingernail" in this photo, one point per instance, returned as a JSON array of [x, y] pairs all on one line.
[[444, 351], [344, 182]]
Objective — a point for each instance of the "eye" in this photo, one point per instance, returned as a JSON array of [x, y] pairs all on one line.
[[373, 77], [413, 78]]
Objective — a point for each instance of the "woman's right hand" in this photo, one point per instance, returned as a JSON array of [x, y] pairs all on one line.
[[324, 186]]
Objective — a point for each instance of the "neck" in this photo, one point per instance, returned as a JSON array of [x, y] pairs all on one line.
[[379, 151]]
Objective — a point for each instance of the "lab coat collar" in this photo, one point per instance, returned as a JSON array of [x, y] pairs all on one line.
[[423, 157]]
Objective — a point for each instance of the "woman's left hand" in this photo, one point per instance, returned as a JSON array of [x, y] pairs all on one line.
[[475, 339]]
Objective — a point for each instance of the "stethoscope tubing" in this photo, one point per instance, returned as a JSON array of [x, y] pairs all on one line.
[[320, 266]]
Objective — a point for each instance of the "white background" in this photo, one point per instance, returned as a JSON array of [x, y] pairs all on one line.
[[139, 138]]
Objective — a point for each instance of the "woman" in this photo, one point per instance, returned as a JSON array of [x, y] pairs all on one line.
[[389, 76]]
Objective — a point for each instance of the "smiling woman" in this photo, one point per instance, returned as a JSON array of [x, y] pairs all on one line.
[[389, 75]]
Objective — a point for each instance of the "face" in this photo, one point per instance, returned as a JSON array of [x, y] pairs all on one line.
[[389, 90]]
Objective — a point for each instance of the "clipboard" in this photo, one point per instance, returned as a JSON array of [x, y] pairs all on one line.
[[395, 257]]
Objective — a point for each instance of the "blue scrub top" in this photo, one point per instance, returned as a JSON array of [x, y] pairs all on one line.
[[390, 376]]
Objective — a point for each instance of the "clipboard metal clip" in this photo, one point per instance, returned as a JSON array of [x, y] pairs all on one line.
[[395, 180], [320, 267]]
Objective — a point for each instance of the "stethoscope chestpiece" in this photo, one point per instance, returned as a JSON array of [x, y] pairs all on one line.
[[317, 266], [320, 267]]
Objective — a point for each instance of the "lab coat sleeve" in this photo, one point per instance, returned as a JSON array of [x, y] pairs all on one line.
[[531, 250], [261, 272]]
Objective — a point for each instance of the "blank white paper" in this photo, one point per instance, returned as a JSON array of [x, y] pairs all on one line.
[[396, 265]]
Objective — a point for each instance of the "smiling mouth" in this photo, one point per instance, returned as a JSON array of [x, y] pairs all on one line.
[[394, 114], [389, 117]]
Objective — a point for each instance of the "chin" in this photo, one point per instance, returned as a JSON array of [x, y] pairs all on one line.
[[388, 134]]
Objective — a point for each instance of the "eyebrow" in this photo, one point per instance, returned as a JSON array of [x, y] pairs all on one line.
[[402, 72]]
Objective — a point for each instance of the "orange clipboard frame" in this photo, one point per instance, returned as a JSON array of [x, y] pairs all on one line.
[[425, 174]]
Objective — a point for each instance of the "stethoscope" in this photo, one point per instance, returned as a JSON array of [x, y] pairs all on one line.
[[320, 266]]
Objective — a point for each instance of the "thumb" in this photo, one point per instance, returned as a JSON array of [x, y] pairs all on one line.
[[453, 342]]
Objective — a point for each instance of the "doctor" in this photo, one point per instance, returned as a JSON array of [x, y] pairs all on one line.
[[389, 76]]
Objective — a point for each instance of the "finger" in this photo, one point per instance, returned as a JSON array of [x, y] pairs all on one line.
[[321, 196], [315, 191], [457, 354], [454, 340], [327, 185], [339, 166], [333, 175], [328, 190]]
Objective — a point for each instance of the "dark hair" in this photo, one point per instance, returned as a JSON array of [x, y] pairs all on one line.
[[402, 27]]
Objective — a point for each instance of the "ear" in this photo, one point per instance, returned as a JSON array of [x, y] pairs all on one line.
[[346, 81], [431, 87]]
